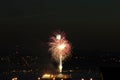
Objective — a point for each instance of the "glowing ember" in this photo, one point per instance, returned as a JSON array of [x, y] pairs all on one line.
[[60, 48]]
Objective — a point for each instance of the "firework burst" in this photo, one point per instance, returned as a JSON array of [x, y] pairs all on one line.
[[59, 47]]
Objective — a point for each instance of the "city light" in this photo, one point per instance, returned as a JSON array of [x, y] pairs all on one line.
[[15, 78], [53, 78], [82, 79], [38, 78], [91, 78], [46, 76]]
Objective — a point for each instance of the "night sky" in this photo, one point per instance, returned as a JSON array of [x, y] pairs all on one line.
[[90, 25]]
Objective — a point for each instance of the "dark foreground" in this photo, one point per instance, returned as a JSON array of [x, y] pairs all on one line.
[[111, 73], [108, 73]]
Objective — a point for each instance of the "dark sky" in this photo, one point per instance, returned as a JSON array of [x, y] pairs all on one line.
[[89, 24]]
